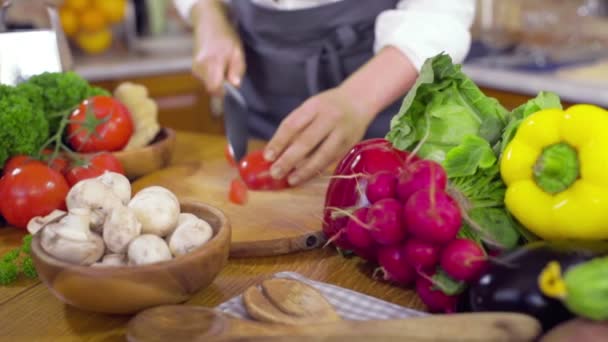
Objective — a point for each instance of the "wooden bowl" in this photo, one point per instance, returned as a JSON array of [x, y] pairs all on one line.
[[129, 289], [155, 156]]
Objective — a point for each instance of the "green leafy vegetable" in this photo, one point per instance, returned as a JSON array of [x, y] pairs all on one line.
[[58, 93], [23, 126], [18, 261], [445, 117]]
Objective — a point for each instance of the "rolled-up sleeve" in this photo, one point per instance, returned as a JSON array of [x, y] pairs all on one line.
[[424, 28], [183, 8]]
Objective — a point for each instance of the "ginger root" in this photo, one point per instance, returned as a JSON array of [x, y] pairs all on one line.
[[144, 113]]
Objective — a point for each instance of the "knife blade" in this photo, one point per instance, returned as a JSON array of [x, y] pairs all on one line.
[[235, 121]]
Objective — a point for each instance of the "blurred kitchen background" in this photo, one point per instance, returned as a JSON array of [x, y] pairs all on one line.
[[520, 47]]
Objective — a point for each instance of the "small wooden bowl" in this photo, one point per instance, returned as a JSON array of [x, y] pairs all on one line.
[[157, 155], [129, 289]]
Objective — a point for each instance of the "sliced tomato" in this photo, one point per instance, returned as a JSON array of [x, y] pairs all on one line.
[[93, 166], [100, 123], [30, 190], [238, 192], [255, 172]]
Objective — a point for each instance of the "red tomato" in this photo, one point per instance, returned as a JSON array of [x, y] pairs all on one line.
[[238, 192], [255, 172], [17, 161], [229, 154], [59, 163], [31, 190], [100, 123], [93, 166]]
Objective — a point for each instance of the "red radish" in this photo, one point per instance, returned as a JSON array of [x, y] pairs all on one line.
[[421, 255], [393, 263], [357, 233], [434, 299], [381, 185], [347, 187], [420, 175], [385, 219], [432, 216], [463, 259], [370, 254]]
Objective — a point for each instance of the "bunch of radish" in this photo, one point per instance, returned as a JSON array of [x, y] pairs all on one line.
[[391, 208]]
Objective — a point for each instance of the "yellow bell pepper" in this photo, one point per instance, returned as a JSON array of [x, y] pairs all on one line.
[[556, 172]]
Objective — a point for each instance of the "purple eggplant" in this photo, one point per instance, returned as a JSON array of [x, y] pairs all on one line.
[[511, 282]]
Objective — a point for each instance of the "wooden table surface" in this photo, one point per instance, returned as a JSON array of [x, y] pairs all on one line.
[[29, 312]]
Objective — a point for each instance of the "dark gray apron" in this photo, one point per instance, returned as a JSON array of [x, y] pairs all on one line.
[[292, 55]]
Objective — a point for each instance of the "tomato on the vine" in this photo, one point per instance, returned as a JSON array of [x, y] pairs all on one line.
[[255, 172], [100, 123], [17, 161], [93, 166], [57, 163], [30, 190]]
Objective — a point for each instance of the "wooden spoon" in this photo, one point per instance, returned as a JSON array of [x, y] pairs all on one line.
[[288, 301], [191, 323]]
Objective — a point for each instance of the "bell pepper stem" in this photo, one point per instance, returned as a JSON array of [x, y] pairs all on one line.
[[557, 168]]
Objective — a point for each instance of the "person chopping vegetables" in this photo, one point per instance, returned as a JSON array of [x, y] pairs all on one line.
[[320, 75]]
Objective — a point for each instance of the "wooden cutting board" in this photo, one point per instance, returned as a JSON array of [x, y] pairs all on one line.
[[270, 223]]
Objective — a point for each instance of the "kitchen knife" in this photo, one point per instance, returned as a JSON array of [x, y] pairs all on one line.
[[235, 121]]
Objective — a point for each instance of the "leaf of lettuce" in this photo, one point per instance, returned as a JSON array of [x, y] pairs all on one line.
[[544, 100], [465, 159], [496, 223], [444, 105]]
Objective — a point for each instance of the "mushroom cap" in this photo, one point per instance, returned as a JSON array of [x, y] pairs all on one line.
[[148, 249], [189, 235], [120, 228], [156, 210], [119, 184], [94, 195]]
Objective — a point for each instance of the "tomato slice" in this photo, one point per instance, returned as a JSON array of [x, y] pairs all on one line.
[[255, 172], [238, 192]]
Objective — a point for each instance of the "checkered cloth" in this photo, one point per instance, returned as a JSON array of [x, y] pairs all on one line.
[[349, 304]]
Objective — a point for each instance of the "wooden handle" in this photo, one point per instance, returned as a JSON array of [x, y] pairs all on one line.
[[190, 323]]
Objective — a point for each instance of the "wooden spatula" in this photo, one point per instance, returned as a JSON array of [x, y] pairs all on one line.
[[288, 301], [177, 323]]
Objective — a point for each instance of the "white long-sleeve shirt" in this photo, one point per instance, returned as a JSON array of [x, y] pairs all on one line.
[[418, 28]]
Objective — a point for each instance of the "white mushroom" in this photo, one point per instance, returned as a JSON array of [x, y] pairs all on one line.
[[71, 240], [157, 188], [185, 217], [36, 223], [94, 195], [191, 233], [119, 184], [112, 260], [120, 227], [148, 249], [157, 209]]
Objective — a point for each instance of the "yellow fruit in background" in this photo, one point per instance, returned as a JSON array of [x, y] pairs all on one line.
[[76, 5], [114, 10], [69, 21], [92, 20], [95, 42]]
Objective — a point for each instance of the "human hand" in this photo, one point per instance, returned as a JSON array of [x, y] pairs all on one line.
[[218, 53], [316, 134]]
